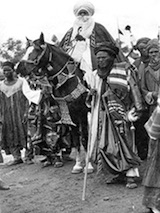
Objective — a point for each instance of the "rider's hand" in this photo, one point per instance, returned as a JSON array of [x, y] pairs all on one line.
[[132, 115], [91, 93]]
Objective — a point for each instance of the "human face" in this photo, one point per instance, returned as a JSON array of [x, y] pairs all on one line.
[[8, 72], [103, 58], [154, 54], [51, 139], [142, 49], [83, 15]]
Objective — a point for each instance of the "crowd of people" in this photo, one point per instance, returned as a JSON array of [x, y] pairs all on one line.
[[121, 97]]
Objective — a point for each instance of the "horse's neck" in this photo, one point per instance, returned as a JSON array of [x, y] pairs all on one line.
[[59, 58]]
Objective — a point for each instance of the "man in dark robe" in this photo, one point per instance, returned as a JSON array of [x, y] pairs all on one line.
[[150, 88], [113, 114], [150, 81], [140, 133]]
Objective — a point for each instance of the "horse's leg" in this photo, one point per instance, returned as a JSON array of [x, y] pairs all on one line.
[[78, 166], [66, 142], [58, 161], [75, 135], [76, 143], [90, 168]]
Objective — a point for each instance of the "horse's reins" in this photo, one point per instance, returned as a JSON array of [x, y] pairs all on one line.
[[49, 67], [36, 62], [60, 72]]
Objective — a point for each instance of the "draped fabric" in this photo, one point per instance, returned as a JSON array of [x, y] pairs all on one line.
[[151, 178], [14, 103], [117, 154], [98, 35], [12, 109], [153, 125], [116, 144], [150, 83]]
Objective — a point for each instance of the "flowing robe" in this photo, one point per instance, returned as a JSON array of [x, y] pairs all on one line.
[[151, 177], [88, 63], [13, 106], [150, 83], [111, 135]]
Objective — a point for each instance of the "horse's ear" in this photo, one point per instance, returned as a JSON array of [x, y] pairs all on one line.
[[41, 38], [29, 42]]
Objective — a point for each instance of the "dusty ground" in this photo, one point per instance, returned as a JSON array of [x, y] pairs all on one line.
[[34, 189]]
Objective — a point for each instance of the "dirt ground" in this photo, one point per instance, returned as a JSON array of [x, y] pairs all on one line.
[[34, 189]]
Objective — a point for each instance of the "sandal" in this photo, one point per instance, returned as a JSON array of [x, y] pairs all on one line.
[[131, 183], [58, 162]]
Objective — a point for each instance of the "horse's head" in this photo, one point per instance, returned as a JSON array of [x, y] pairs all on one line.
[[42, 58], [47, 60], [35, 58]]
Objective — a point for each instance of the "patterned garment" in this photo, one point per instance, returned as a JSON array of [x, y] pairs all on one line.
[[118, 93], [116, 145], [99, 34], [12, 109]]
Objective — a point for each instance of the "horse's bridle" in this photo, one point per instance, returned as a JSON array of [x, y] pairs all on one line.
[[48, 66], [37, 60]]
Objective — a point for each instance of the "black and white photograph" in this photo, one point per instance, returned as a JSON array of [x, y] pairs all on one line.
[[80, 106]]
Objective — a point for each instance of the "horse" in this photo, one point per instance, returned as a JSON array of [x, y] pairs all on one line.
[[62, 73]]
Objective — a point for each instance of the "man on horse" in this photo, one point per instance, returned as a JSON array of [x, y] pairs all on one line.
[[81, 39], [79, 42]]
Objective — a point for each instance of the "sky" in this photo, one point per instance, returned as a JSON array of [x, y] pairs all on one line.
[[28, 18]]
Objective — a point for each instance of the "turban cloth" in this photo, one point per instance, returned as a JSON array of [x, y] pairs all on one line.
[[87, 6], [142, 42], [107, 47], [8, 64], [152, 44]]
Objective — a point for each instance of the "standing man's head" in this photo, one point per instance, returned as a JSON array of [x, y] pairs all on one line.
[[141, 46], [153, 50], [8, 70], [105, 55], [83, 10]]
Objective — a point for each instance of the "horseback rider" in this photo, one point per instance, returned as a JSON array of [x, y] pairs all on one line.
[[79, 42]]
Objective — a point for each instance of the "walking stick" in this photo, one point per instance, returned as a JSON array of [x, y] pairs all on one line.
[[88, 149], [133, 137]]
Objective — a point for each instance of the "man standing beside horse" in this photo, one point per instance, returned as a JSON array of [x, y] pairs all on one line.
[[15, 95], [113, 114]]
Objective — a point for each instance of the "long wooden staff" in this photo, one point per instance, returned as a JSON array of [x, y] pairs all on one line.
[[88, 148], [132, 128]]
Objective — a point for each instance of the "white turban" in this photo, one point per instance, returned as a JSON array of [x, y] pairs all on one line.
[[85, 5]]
